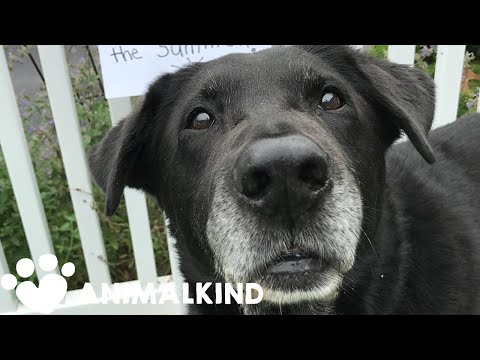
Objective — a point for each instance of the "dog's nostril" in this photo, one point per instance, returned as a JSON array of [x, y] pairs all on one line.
[[314, 174], [255, 183]]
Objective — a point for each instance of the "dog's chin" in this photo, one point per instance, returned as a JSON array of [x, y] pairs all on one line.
[[319, 287]]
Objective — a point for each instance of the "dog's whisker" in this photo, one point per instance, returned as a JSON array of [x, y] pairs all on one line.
[[370, 242]]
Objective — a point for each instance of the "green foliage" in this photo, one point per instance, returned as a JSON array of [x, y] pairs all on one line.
[[46, 156], [476, 66], [475, 49], [378, 51]]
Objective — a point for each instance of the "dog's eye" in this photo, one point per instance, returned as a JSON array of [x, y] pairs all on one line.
[[330, 101], [200, 120]]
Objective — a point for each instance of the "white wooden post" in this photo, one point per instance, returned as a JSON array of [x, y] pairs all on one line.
[[62, 103], [174, 263], [8, 300], [448, 75], [139, 224], [478, 102], [402, 54], [137, 211], [20, 169]]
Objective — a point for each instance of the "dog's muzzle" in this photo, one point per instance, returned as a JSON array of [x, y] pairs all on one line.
[[286, 214]]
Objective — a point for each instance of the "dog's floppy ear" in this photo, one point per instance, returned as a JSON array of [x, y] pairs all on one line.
[[406, 96], [124, 157], [128, 154], [121, 159]]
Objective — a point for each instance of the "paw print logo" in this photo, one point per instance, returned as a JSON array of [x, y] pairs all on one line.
[[51, 289]]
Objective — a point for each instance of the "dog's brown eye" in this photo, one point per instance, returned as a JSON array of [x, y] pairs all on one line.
[[200, 120], [330, 101]]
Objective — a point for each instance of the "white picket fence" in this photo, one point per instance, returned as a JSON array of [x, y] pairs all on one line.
[[15, 150]]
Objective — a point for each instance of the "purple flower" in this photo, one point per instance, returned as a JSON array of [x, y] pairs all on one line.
[[24, 103], [51, 123], [24, 107], [469, 104], [423, 51], [426, 51]]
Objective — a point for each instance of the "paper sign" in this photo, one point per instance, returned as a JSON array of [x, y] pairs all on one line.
[[127, 70]]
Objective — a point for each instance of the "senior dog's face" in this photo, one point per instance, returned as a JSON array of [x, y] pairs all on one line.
[[270, 166]]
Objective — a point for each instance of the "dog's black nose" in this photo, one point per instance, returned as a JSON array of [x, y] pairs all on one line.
[[282, 175]]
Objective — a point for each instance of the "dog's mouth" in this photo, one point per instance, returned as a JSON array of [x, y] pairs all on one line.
[[296, 270], [297, 275], [295, 261]]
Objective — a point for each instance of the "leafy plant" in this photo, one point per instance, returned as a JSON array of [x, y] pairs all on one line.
[[378, 51]]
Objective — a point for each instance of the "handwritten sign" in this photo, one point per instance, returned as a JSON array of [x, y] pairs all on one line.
[[127, 70]]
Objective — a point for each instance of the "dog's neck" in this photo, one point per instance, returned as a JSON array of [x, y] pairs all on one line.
[[372, 285]]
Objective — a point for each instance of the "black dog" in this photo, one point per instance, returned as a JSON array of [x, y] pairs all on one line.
[[277, 168]]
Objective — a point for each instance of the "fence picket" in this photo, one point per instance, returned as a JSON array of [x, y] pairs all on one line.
[[402, 54], [20, 170], [177, 276], [478, 102], [8, 301], [60, 93], [448, 74], [137, 211]]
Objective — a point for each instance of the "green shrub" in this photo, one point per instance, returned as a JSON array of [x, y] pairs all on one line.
[[378, 51]]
